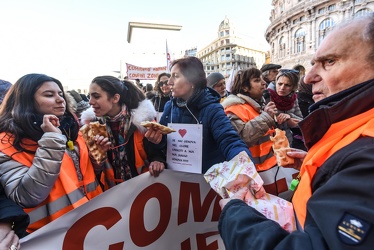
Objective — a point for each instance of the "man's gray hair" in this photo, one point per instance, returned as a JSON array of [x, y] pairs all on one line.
[[368, 32]]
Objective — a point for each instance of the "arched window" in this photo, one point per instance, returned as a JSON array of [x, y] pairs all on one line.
[[363, 12], [300, 40], [324, 27], [282, 48]]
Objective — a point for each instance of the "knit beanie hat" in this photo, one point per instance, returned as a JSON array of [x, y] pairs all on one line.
[[4, 87], [214, 78]]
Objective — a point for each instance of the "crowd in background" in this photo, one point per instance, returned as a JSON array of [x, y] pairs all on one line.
[[43, 156]]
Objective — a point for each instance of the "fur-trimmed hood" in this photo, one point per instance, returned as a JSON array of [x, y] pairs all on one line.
[[144, 112]]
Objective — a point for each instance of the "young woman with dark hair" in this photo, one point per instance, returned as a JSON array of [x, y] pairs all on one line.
[[122, 106], [43, 158]]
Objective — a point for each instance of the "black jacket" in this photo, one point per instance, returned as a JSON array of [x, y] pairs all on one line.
[[10, 212], [342, 190]]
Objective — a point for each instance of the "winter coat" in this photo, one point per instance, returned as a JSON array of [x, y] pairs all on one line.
[[12, 213], [220, 140], [159, 101], [253, 126], [144, 112], [294, 112], [257, 127], [340, 212], [37, 180]]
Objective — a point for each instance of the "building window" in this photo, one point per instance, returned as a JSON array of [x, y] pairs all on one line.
[[300, 40], [227, 41], [227, 32], [282, 48], [331, 7], [221, 34], [321, 11], [363, 12], [302, 18], [324, 28]]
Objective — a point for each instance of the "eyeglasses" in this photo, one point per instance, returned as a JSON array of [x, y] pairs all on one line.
[[285, 71], [160, 84]]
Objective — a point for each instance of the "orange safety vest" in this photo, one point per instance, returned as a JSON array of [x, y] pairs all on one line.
[[262, 153], [338, 136], [107, 176], [66, 193]]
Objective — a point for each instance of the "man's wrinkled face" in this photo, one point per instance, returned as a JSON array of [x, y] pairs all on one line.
[[340, 62]]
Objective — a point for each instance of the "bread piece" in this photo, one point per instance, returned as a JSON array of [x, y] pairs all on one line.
[[89, 132], [280, 147], [157, 126]]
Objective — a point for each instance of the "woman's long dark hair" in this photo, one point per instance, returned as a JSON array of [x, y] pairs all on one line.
[[130, 95], [18, 114]]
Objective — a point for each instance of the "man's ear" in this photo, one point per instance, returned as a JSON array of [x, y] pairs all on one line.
[[245, 89]]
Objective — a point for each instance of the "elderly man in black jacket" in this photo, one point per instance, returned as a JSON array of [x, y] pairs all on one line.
[[334, 199]]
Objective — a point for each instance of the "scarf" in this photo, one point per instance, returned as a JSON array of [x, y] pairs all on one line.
[[283, 102], [117, 128]]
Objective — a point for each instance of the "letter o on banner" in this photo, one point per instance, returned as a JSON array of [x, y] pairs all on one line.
[[138, 233]]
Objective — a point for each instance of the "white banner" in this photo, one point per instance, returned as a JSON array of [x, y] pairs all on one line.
[[143, 73], [176, 210]]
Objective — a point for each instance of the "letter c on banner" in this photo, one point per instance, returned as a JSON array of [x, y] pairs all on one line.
[[138, 233], [105, 216]]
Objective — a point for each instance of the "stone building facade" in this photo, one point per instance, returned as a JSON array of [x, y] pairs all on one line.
[[298, 26], [229, 51]]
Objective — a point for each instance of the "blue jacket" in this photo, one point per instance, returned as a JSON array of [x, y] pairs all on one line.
[[220, 141]]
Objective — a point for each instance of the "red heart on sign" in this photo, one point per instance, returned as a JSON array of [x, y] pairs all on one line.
[[182, 132]]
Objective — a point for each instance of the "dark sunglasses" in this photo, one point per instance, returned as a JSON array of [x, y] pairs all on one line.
[[163, 83]]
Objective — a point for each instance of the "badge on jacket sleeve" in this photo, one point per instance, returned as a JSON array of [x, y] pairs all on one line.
[[352, 230]]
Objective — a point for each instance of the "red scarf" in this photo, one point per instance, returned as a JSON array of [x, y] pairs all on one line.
[[283, 102]]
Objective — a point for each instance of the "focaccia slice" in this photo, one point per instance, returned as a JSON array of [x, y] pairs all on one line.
[[280, 147], [157, 126], [89, 131]]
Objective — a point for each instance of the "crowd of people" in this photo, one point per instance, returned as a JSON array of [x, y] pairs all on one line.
[[327, 114]]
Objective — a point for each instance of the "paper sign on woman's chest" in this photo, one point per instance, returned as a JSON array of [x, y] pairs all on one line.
[[184, 147]]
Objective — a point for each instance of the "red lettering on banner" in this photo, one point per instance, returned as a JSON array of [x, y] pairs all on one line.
[[105, 216], [201, 242], [200, 211], [152, 76], [138, 233]]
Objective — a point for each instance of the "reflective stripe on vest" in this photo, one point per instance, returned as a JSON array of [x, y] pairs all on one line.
[[67, 192], [338, 136], [262, 152]]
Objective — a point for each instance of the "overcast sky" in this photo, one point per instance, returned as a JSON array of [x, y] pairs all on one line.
[[76, 40]]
